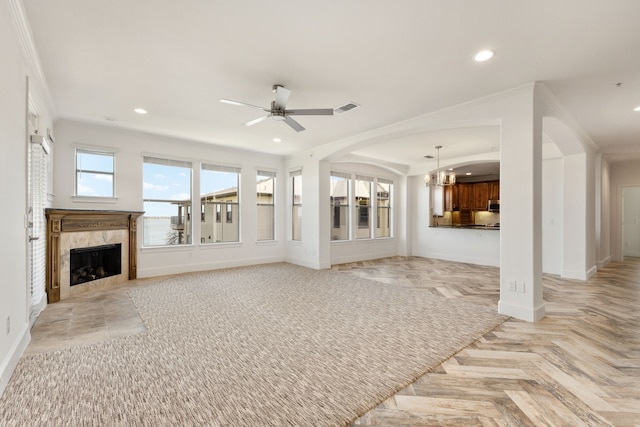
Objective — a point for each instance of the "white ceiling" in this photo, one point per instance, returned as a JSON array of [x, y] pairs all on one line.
[[398, 60]]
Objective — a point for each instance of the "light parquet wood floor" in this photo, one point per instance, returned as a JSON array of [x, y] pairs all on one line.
[[580, 365]]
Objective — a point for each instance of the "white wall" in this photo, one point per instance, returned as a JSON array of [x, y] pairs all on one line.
[[14, 284], [552, 215], [622, 174], [130, 146]]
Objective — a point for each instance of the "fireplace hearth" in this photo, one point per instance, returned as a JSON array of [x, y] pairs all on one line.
[[94, 263]]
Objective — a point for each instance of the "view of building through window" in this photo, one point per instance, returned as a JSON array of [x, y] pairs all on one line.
[[219, 193], [339, 194], [383, 207], [265, 196], [167, 202], [296, 209], [363, 206], [95, 172]]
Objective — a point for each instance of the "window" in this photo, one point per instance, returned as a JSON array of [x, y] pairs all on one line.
[[363, 206], [339, 192], [384, 188], [94, 173], [265, 195], [296, 202], [167, 202], [219, 192]]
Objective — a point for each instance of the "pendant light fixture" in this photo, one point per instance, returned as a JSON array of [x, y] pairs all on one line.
[[440, 177]]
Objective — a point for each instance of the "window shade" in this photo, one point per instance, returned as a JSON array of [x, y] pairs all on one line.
[[167, 162], [341, 175], [385, 181], [266, 173], [219, 168], [364, 178], [296, 172]]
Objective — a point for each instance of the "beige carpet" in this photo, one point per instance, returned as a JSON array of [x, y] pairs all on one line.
[[267, 345]]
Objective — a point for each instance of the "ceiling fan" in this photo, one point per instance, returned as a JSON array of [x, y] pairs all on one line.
[[278, 110]]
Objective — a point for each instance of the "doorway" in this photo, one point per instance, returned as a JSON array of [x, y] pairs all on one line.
[[631, 222]]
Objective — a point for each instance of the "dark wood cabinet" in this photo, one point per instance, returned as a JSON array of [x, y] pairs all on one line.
[[451, 198], [480, 196], [463, 196], [494, 190]]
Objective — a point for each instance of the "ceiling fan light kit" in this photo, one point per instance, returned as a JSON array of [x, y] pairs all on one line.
[[279, 112]]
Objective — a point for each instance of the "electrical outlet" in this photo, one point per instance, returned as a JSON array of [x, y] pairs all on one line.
[[8, 324], [521, 287], [512, 285]]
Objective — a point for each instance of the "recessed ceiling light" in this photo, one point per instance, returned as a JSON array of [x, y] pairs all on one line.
[[637, 108], [277, 140], [483, 55], [140, 111], [468, 173]]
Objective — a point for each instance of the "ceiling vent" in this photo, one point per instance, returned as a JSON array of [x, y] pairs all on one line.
[[346, 107]]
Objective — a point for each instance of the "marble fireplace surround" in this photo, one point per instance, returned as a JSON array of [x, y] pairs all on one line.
[[76, 228]]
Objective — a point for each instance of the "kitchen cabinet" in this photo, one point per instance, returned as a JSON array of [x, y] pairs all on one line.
[[480, 196], [451, 198], [463, 196], [494, 190]]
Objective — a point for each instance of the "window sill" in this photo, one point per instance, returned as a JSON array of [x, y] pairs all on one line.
[[167, 248], [220, 245], [266, 242], [85, 199]]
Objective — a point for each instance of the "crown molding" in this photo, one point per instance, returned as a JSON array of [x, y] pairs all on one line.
[[30, 53]]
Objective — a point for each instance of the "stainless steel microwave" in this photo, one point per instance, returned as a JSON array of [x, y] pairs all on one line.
[[494, 206]]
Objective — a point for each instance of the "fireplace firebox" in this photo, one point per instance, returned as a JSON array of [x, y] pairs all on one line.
[[97, 262]]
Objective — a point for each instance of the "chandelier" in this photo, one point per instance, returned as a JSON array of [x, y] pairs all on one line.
[[440, 177]]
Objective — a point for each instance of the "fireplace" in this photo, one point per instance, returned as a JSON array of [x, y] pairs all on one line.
[[81, 242], [95, 263]]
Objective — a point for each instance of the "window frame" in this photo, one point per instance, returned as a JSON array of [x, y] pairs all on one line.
[[389, 208], [218, 224], [96, 151], [260, 173], [363, 210], [336, 209], [296, 208], [185, 238]]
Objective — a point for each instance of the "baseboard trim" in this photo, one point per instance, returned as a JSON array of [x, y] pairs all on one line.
[[191, 268], [13, 357], [528, 314], [579, 275], [604, 262]]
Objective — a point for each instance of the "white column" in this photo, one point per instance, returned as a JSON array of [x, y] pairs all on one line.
[[521, 213]]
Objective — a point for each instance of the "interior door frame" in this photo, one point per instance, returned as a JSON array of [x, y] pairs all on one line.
[[621, 220]]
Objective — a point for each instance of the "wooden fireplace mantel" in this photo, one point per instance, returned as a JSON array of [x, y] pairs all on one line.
[[73, 220]]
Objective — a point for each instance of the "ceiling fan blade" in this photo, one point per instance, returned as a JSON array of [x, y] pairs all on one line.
[[282, 96], [258, 120], [311, 112], [294, 125], [241, 104]]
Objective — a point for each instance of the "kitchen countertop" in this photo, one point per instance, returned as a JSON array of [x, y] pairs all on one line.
[[468, 226]]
